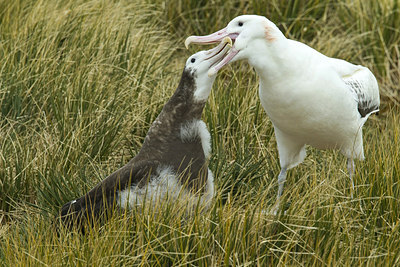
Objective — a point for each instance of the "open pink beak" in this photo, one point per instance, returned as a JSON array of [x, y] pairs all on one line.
[[215, 38], [207, 39], [226, 42]]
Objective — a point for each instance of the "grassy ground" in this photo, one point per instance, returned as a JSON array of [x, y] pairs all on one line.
[[80, 83]]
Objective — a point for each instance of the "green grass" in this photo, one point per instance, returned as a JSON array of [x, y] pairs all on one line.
[[81, 82]]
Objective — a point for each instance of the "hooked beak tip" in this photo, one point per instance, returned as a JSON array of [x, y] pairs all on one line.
[[227, 40], [188, 41]]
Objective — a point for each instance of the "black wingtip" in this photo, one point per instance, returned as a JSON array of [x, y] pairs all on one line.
[[66, 209], [86, 212], [71, 216]]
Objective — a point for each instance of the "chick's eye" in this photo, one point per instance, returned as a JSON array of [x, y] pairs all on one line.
[[240, 24], [193, 60]]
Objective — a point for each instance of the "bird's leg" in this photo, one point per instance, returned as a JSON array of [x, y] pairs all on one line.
[[281, 182], [350, 168]]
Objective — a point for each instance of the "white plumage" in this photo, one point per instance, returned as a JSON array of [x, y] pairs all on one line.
[[164, 185], [310, 98]]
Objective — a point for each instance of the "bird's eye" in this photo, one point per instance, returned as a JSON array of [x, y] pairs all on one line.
[[193, 60], [240, 24]]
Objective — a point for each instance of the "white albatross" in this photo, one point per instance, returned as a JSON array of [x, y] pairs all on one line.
[[310, 98]]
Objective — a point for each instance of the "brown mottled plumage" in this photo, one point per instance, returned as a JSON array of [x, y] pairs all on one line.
[[163, 146]]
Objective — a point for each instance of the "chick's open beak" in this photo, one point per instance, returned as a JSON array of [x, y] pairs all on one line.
[[224, 37], [216, 50]]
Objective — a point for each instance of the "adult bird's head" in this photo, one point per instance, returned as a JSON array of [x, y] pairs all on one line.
[[247, 33]]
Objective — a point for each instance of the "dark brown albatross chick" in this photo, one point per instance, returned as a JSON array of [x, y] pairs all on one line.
[[173, 158]]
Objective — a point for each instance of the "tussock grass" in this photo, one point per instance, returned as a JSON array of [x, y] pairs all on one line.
[[81, 82]]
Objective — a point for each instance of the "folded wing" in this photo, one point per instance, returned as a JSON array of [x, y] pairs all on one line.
[[362, 83]]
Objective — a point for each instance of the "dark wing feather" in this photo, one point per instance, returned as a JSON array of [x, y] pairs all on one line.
[[366, 104], [362, 84], [100, 202]]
